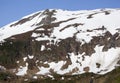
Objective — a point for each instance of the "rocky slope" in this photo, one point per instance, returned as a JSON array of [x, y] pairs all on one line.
[[61, 42]]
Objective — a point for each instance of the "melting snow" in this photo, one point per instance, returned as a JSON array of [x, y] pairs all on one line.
[[107, 61], [35, 77], [30, 57], [2, 68], [25, 79], [17, 61], [42, 47], [25, 58], [53, 65], [35, 35], [22, 70]]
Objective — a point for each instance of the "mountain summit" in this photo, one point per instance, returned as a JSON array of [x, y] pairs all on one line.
[[62, 42]]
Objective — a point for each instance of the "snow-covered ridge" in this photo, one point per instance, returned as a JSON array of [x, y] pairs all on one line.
[[97, 19]]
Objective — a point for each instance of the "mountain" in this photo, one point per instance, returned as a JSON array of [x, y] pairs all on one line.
[[61, 42]]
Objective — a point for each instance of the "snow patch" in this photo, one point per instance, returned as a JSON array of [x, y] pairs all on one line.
[[30, 56], [2, 68], [52, 65], [22, 70], [25, 58], [17, 61], [35, 35], [35, 77], [42, 47]]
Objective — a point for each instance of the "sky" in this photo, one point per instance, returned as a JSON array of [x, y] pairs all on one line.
[[12, 10]]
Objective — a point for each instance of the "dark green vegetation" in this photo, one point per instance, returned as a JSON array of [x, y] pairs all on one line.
[[112, 77], [9, 53], [6, 77]]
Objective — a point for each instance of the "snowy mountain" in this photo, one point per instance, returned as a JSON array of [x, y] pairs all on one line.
[[62, 42]]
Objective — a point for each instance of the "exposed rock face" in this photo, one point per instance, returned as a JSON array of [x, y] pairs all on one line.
[[62, 42]]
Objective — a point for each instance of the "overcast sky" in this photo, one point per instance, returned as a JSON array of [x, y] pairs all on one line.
[[12, 10]]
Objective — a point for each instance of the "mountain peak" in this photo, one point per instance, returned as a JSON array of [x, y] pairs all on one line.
[[63, 42]]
